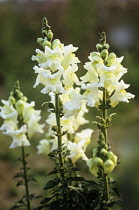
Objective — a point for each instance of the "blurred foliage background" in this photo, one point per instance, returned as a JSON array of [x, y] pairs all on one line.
[[78, 22]]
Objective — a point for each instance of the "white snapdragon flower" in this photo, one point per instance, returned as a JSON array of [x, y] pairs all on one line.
[[92, 75], [66, 123], [120, 94], [19, 137], [31, 117], [91, 94], [44, 147], [8, 111], [83, 138], [76, 151], [74, 103], [51, 81]]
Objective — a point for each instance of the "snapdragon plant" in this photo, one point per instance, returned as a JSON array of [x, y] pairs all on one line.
[[20, 123], [56, 69], [103, 89]]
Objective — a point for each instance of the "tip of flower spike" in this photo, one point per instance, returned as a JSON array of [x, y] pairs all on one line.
[[46, 30], [102, 46], [17, 85]]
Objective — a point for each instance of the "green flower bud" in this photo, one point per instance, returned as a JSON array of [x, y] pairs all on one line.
[[103, 151], [104, 54], [46, 43], [99, 47], [106, 46], [108, 166], [94, 54], [24, 98], [44, 33], [19, 94], [11, 93], [95, 151], [55, 43], [12, 100], [40, 41], [104, 145], [112, 157], [97, 161], [111, 58], [20, 106], [49, 34]]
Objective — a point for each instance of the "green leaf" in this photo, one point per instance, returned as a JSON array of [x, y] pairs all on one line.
[[33, 196], [116, 191], [32, 179], [75, 179], [52, 154], [19, 174], [16, 206], [53, 172], [75, 169], [46, 200], [92, 182], [19, 183], [50, 184]]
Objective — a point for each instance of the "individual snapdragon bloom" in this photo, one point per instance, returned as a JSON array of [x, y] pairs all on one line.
[[73, 102], [104, 72], [21, 120], [7, 111], [76, 152], [43, 147], [83, 138], [120, 94]]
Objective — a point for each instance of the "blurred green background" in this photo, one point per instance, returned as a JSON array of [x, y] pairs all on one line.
[[78, 22]]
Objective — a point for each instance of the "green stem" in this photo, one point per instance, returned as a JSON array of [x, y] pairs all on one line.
[[59, 134], [25, 178], [105, 177], [104, 114]]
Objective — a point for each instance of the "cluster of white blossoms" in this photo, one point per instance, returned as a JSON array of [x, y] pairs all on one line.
[[104, 71], [56, 68], [20, 119], [76, 142]]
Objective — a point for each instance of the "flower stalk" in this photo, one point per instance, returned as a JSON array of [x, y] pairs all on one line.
[[25, 178], [104, 116], [59, 134]]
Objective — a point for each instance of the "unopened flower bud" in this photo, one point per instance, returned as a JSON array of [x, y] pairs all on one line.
[[24, 98], [12, 100], [108, 166], [98, 161], [19, 93], [103, 151], [99, 47], [95, 150], [112, 157], [44, 32], [104, 54], [40, 41], [49, 34], [19, 106], [46, 43], [56, 43], [111, 58], [106, 46]]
